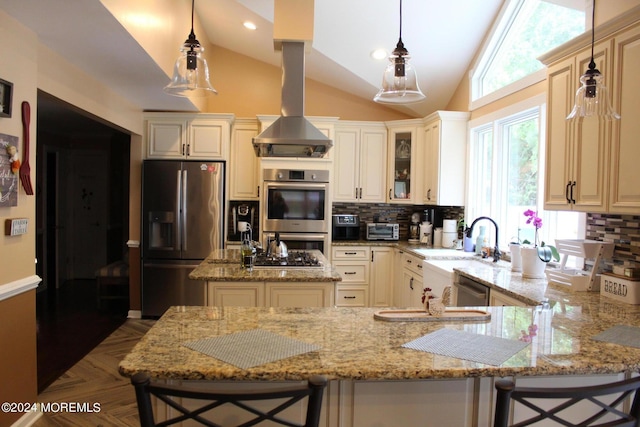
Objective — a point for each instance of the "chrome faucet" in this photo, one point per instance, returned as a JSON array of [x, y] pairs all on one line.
[[496, 251]]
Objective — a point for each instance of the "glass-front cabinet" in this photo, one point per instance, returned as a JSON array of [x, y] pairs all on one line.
[[402, 154]]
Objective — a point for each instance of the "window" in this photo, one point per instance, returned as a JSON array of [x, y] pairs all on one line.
[[524, 30], [506, 174]]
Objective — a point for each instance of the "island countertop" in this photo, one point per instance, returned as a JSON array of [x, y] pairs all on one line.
[[223, 265], [353, 345]]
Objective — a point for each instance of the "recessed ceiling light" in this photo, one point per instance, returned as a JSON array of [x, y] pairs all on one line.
[[379, 54], [249, 25]]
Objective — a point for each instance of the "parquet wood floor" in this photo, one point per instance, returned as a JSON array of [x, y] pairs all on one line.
[[95, 379]]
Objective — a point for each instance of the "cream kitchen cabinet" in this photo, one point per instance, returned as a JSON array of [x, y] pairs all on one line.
[[360, 155], [624, 190], [352, 262], [402, 167], [235, 294], [444, 158], [497, 298], [381, 273], [270, 294], [407, 290], [592, 167], [303, 294], [244, 166], [577, 156], [367, 275], [187, 136]]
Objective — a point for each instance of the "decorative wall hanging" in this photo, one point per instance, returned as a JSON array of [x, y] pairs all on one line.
[[8, 178], [6, 91]]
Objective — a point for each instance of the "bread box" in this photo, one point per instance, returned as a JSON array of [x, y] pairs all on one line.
[[624, 289]]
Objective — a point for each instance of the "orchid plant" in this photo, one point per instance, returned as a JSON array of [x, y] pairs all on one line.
[[533, 218]]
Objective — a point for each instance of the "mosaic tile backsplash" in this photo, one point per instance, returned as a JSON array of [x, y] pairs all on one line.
[[401, 214], [622, 230]]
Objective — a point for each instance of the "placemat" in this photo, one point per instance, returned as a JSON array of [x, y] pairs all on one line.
[[250, 348], [465, 345], [620, 334]]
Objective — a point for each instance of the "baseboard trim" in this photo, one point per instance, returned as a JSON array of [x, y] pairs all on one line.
[[134, 314], [27, 419]]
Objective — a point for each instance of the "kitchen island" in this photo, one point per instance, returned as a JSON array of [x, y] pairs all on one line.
[[376, 381], [228, 284]]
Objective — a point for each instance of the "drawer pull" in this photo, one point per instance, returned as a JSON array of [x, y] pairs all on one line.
[[349, 297], [349, 272], [350, 253]]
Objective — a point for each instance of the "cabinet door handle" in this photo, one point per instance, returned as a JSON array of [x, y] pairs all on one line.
[[411, 283], [349, 297], [258, 191], [356, 192], [573, 185], [188, 149], [360, 193], [429, 194], [566, 192], [390, 194], [183, 149]]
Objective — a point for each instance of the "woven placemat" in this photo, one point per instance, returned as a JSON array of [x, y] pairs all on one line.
[[250, 348], [620, 334], [465, 345]]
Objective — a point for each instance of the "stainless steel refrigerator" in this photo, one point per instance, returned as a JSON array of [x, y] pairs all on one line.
[[182, 222]]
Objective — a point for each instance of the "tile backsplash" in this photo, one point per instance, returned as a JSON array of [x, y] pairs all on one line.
[[622, 230], [401, 214]]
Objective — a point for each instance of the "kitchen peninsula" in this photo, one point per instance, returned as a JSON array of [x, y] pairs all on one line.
[[377, 381], [228, 284]]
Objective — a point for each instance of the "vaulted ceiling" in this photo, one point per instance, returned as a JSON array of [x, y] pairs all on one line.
[[441, 36]]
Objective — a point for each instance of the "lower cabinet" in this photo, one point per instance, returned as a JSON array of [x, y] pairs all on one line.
[[271, 294], [407, 291], [367, 275], [499, 299]]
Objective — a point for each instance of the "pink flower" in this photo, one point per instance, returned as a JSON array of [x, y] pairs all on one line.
[[533, 218]]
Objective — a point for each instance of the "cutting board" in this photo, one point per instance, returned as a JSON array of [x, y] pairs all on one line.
[[450, 315]]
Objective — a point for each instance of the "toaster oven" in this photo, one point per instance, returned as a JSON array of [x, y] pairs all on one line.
[[382, 231]]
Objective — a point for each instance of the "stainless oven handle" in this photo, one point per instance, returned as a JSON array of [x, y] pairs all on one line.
[[296, 185], [294, 236]]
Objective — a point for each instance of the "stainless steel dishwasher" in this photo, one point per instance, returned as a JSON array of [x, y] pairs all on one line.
[[471, 293]]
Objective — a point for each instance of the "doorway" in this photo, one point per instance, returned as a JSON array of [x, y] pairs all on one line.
[[82, 216]]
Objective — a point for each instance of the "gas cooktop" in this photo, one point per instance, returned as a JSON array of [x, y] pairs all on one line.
[[294, 259]]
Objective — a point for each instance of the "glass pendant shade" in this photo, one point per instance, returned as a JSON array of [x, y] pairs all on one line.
[[399, 81], [190, 72], [592, 98]]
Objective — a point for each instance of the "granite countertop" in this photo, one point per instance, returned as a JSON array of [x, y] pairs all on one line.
[[353, 345], [223, 265]]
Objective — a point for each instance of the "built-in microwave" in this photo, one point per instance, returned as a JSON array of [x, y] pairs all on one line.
[[296, 201], [382, 231]]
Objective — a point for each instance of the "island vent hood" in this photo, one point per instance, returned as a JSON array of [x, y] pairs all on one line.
[[291, 135]]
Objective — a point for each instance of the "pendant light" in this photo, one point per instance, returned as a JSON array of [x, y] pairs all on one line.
[[592, 98], [190, 72], [399, 81]]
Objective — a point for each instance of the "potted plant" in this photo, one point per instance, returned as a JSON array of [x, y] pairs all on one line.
[[534, 259]]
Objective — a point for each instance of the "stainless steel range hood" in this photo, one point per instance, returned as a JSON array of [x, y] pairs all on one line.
[[291, 135]]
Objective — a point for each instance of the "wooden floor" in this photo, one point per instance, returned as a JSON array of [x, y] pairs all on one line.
[[70, 324], [95, 379]]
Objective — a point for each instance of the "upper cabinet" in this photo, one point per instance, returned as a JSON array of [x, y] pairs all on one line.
[[591, 166], [360, 153], [444, 158], [187, 136], [577, 154], [624, 196], [244, 166], [402, 165]]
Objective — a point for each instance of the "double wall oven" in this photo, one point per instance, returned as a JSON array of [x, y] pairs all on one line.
[[296, 204]]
